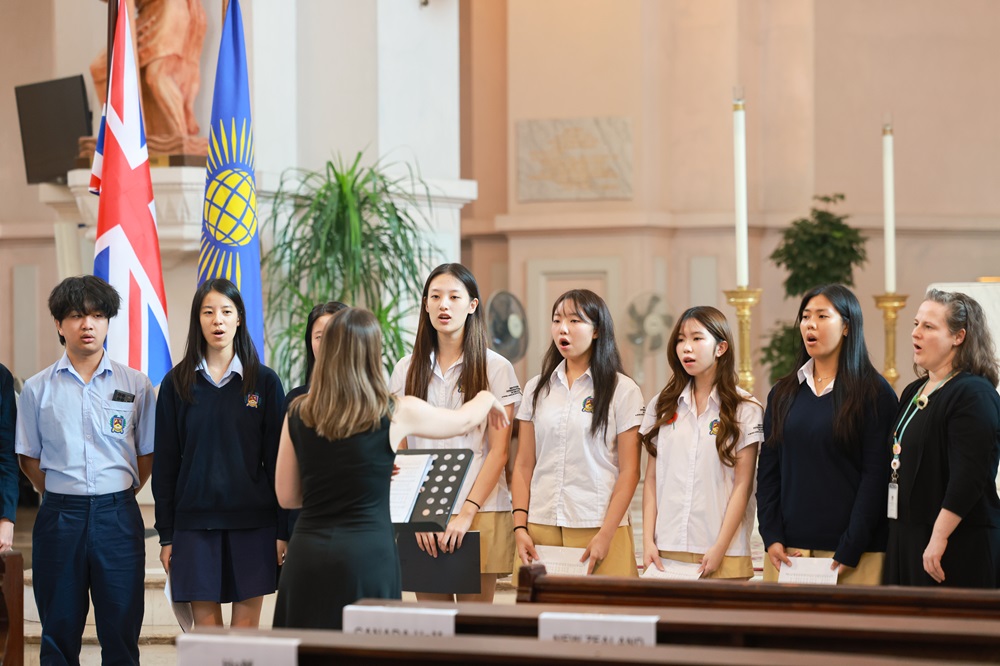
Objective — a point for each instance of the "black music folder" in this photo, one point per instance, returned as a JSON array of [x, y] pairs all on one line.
[[448, 573]]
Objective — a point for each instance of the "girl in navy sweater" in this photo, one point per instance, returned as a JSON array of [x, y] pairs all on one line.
[[218, 420], [822, 480]]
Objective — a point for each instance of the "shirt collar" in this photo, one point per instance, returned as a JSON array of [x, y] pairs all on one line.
[[805, 374], [806, 371], [686, 398], [235, 366], [560, 373], [102, 367], [436, 368]]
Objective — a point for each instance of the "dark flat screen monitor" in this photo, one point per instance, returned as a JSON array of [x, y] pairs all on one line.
[[53, 116]]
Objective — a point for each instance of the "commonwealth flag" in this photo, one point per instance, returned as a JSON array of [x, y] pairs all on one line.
[[230, 247]]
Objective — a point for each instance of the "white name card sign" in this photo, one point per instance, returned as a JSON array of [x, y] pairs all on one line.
[[236, 650], [399, 621], [598, 628]]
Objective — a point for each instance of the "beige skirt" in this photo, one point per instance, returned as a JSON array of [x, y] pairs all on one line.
[[733, 566], [621, 553], [868, 571]]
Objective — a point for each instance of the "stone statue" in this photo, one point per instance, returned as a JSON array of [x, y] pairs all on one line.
[[169, 37]]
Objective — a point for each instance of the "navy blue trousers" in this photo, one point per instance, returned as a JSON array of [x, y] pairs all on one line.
[[89, 546]]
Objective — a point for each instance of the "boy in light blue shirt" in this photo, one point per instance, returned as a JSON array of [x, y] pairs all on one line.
[[85, 439]]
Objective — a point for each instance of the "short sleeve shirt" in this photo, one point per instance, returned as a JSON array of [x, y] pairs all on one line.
[[444, 391], [87, 435], [576, 471], [693, 486]]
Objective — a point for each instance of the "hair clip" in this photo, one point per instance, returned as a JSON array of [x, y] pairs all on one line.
[[921, 401]]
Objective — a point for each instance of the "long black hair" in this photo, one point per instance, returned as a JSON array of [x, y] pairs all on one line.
[[474, 377], [185, 372], [328, 308], [855, 393], [605, 359]]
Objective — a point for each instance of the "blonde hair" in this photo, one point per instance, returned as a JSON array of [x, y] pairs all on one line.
[[348, 393]]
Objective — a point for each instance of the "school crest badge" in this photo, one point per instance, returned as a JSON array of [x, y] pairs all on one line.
[[588, 404], [253, 400], [117, 424], [713, 427]]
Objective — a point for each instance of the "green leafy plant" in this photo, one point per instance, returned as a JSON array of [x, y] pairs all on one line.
[[815, 250], [350, 233]]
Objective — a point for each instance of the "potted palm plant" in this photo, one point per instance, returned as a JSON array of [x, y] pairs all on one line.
[[348, 232]]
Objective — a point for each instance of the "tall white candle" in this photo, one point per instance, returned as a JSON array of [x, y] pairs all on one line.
[[740, 199], [889, 207]]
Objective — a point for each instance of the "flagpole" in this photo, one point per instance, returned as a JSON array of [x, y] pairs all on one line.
[[112, 22]]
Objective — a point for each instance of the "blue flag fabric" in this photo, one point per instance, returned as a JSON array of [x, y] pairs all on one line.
[[230, 245]]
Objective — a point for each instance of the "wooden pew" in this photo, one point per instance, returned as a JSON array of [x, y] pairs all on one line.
[[942, 639], [12, 607], [535, 586], [333, 647]]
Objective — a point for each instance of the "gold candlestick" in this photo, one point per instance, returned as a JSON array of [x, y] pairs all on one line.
[[890, 305], [743, 299]]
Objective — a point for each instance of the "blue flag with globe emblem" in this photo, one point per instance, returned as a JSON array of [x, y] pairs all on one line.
[[230, 246]]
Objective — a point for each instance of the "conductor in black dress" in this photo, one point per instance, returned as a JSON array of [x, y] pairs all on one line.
[[946, 445], [335, 462]]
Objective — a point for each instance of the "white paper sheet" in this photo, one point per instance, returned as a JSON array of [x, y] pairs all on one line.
[[182, 609], [673, 571], [562, 560], [810, 570], [406, 485]]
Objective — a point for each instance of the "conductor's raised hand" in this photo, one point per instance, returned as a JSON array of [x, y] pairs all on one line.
[[498, 414]]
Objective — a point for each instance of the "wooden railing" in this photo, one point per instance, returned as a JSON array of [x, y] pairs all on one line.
[[12, 607], [535, 586], [334, 647], [943, 639]]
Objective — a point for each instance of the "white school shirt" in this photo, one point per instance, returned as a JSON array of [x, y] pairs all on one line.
[[444, 391], [805, 374], [693, 486], [575, 472]]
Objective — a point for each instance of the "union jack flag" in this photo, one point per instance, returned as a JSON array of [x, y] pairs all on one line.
[[127, 253]]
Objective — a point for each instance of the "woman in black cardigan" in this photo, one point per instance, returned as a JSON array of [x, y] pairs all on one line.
[[946, 526]]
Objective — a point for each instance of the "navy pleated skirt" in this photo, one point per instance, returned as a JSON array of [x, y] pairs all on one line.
[[223, 565]]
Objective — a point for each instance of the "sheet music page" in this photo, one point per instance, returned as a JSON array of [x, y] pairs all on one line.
[[562, 560], [673, 571], [810, 570], [406, 485]]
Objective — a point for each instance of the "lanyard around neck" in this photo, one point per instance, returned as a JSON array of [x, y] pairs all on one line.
[[916, 404]]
